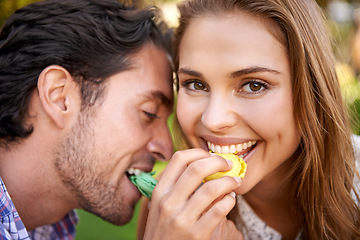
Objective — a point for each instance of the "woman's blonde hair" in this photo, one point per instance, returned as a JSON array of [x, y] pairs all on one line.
[[323, 175]]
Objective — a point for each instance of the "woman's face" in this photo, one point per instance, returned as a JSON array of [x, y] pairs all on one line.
[[235, 93]]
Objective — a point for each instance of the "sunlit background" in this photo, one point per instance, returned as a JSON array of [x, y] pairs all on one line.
[[344, 22]]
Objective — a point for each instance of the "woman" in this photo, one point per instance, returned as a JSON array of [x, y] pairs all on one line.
[[259, 76]]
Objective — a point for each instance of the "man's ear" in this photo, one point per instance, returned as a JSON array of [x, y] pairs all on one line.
[[56, 90]]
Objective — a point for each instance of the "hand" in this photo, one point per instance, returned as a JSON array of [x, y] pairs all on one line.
[[184, 208], [226, 230]]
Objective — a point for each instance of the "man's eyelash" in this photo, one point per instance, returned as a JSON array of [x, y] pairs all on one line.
[[151, 115]]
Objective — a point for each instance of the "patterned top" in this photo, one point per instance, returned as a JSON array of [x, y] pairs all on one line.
[[257, 229], [12, 228]]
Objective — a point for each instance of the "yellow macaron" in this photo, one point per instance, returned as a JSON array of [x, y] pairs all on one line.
[[238, 169]]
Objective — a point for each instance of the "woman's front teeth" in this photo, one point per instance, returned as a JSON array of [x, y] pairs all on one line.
[[230, 149]]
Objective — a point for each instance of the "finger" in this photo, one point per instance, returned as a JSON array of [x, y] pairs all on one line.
[[177, 165], [194, 174], [166, 205], [184, 214], [217, 212], [161, 207], [180, 160], [208, 195], [226, 230]]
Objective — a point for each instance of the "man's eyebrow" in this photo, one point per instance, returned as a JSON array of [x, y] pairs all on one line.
[[189, 72], [250, 70], [153, 95]]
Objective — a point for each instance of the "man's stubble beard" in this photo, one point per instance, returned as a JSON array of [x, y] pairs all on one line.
[[74, 165]]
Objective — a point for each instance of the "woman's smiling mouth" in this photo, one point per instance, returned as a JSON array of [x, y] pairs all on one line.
[[242, 149]]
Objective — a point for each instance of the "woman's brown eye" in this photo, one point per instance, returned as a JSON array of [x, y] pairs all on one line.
[[199, 86], [255, 87]]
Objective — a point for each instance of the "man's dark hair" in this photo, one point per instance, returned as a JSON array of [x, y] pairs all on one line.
[[92, 39]]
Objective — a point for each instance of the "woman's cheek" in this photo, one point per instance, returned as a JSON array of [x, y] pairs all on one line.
[[186, 111]]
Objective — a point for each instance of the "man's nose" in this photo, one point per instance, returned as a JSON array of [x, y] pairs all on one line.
[[161, 146]]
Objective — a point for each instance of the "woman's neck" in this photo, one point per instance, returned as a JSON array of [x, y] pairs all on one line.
[[271, 200]]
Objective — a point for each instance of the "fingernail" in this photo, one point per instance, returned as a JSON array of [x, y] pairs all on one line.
[[229, 162], [238, 179], [233, 194]]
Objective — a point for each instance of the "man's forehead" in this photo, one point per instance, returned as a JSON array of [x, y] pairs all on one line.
[[159, 96]]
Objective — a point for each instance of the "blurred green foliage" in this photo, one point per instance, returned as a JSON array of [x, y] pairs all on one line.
[[7, 7], [350, 87], [355, 113]]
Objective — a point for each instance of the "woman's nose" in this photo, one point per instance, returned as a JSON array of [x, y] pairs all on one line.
[[219, 114]]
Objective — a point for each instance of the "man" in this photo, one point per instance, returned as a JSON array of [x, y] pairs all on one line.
[[85, 93]]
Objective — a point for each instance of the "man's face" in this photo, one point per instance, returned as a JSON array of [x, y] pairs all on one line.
[[128, 130]]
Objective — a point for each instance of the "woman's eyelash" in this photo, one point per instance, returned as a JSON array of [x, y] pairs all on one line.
[[255, 83], [194, 85], [250, 86]]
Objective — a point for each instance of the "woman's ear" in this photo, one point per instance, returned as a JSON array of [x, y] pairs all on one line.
[[56, 92]]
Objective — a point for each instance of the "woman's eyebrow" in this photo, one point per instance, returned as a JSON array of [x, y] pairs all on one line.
[[250, 70], [235, 74], [189, 72]]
